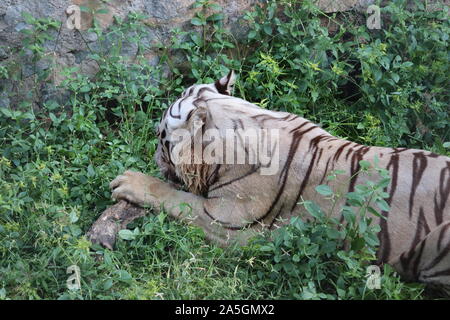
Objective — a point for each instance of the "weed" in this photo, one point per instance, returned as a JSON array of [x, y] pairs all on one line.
[[386, 87]]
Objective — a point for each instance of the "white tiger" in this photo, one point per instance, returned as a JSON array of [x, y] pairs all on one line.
[[233, 201]]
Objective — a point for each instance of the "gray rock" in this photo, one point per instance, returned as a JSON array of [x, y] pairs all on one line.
[[4, 100], [72, 47], [3, 54]]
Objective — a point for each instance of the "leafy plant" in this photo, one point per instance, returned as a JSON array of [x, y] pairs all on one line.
[[385, 87], [325, 255]]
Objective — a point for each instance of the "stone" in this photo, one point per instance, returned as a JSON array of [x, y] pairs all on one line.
[[71, 47], [4, 100]]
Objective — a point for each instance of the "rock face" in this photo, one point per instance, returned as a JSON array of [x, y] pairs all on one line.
[[71, 47]]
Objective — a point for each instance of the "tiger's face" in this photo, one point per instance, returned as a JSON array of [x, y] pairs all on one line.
[[179, 115]]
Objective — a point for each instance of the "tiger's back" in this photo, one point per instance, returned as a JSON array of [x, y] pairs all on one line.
[[231, 201], [418, 192]]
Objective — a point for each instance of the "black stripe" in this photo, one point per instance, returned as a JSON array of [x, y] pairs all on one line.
[[422, 225], [173, 116], [250, 172], [432, 155], [227, 225], [444, 192], [445, 272], [441, 235], [339, 151], [296, 137], [315, 141], [320, 155], [326, 170], [214, 175], [355, 169], [417, 260], [264, 117], [200, 92], [419, 166], [221, 98], [398, 150], [385, 242], [442, 254], [307, 130], [190, 115], [305, 179]]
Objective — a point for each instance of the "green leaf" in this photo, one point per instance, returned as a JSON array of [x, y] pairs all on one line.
[[85, 88], [363, 189], [197, 22], [268, 29], [7, 112], [216, 17], [28, 17], [362, 226], [371, 239], [333, 234], [364, 164], [355, 199], [324, 190], [123, 275], [395, 77], [197, 39], [313, 209], [73, 216], [377, 74], [314, 95], [90, 171], [53, 117], [382, 204], [266, 248], [384, 183], [102, 11], [108, 284], [358, 244], [252, 34], [407, 64], [375, 213], [126, 234], [348, 214], [215, 7], [385, 62]]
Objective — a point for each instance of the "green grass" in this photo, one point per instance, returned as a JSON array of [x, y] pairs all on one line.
[[373, 87]]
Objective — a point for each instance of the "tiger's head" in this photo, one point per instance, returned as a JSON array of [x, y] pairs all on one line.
[[202, 110], [186, 112]]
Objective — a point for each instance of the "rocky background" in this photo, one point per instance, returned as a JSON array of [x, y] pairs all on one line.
[[72, 46]]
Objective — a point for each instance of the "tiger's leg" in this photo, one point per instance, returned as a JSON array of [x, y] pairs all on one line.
[[144, 190], [429, 260]]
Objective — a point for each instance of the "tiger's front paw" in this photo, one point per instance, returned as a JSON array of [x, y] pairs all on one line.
[[134, 187]]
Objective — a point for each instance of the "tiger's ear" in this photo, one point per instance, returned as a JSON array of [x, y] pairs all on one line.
[[225, 84], [199, 118]]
